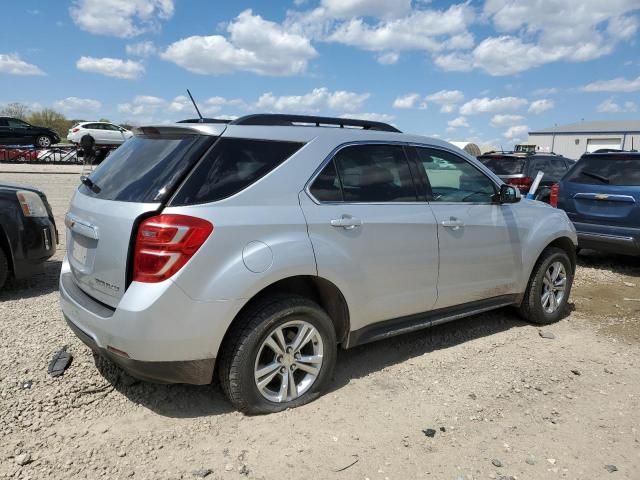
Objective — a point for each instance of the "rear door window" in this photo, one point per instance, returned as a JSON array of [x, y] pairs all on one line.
[[327, 187], [146, 169], [375, 174], [231, 166], [607, 170], [504, 165]]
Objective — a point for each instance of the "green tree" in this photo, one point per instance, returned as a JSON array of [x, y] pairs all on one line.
[[51, 119], [106, 120], [15, 110]]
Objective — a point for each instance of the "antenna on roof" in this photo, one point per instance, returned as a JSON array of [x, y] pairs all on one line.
[[195, 106]]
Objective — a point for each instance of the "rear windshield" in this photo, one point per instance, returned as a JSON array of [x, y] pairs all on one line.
[[607, 170], [232, 165], [504, 165], [145, 169]]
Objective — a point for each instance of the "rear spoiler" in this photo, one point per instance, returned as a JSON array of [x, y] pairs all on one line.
[[213, 129]]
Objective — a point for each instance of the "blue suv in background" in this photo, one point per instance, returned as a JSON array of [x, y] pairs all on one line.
[[601, 195]]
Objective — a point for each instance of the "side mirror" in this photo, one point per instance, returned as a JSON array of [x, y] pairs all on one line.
[[509, 194]]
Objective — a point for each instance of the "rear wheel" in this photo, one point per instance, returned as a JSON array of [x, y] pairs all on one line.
[[549, 287], [43, 141], [4, 268], [280, 355]]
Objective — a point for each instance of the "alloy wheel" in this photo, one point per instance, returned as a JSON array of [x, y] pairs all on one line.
[[288, 361], [553, 287]]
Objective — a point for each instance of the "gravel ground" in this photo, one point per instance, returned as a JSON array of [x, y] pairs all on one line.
[[485, 397]]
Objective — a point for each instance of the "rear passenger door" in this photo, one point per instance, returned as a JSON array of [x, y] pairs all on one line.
[[371, 233], [479, 241]]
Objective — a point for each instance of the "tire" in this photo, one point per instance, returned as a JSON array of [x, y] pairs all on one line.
[[4, 268], [43, 141], [533, 306], [245, 351]]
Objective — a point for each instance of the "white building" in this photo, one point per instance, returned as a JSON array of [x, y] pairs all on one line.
[[577, 138]]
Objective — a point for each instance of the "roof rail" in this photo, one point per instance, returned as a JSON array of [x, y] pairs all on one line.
[[276, 119]]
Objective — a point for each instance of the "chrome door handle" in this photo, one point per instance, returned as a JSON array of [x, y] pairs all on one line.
[[346, 222], [452, 223]]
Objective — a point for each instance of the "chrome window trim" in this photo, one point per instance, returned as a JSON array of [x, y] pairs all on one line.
[[334, 152]]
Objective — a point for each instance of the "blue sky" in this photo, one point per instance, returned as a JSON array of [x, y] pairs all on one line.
[[481, 71]]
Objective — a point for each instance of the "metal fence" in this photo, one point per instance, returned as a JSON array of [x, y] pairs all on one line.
[[63, 154]]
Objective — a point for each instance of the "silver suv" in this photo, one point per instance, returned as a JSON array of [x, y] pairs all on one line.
[[253, 249]]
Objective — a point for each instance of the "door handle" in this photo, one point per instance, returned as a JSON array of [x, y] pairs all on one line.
[[453, 223], [346, 222]]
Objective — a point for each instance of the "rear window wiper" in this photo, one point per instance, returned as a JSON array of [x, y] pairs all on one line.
[[89, 183], [587, 173]]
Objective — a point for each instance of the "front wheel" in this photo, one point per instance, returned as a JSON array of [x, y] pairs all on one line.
[[43, 141], [280, 355], [546, 297]]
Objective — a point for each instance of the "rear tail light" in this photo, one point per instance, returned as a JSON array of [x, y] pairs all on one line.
[[164, 243], [75, 130], [524, 183], [554, 194]]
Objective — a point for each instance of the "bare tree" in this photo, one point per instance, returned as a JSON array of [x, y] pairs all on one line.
[[15, 110]]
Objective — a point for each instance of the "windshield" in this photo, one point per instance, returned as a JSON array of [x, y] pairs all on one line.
[[504, 165], [145, 169], [607, 170]]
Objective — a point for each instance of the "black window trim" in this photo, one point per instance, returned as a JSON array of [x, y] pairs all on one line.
[[330, 158], [496, 185]]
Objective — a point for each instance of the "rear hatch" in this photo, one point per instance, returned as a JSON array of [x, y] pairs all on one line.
[[603, 189], [510, 168], [132, 183]]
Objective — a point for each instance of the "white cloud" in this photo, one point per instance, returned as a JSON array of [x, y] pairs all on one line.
[[547, 31], [542, 92], [361, 8], [141, 49], [254, 44], [427, 30], [373, 117], [542, 105], [143, 105], [388, 58], [77, 105], [503, 120], [210, 106], [313, 102], [447, 99], [516, 133], [615, 85], [111, 67], [120, 18], [407, 101], [492, 105], [12, 64], [460, 122], [531, 34], [609, 106]]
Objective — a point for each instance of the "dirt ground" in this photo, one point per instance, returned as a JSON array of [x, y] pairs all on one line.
[[501, 401]]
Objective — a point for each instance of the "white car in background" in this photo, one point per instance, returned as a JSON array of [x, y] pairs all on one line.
[[103, 133]]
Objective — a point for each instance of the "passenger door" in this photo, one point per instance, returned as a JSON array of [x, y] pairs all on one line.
[[480, 248], [5, 132], [19, 132], [371, 234]]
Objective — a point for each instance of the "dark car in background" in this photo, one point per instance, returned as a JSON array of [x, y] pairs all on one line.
[[28, 234], [601, 196], [520, 169], [14, 131]]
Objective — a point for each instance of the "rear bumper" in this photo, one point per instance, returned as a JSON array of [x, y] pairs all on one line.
[[167, 336], [196, 372], [625, 241]]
